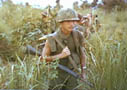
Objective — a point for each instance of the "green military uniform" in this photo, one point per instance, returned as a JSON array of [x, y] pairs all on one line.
[[63, 77], [64, 80], [82, 29]]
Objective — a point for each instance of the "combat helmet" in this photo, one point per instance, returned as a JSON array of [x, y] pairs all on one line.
[[67, 14]]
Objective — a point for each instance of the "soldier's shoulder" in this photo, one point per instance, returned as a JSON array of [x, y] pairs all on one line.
[[80, 28], [77, 31]]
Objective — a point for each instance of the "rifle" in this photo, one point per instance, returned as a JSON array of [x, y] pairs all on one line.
[[33, 51]]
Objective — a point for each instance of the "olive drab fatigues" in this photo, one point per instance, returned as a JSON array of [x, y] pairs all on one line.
[[81, 29], [71, 82]]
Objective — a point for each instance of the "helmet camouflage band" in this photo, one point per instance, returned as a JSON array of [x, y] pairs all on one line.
[[67, 15]]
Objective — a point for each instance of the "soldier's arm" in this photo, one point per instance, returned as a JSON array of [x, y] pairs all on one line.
[[82, 56], [46, 53], [83, 63]]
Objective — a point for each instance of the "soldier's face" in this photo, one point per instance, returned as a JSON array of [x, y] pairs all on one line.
[[67, 26]]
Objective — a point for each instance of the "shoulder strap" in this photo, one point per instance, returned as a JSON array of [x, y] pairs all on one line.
[[69, 57]]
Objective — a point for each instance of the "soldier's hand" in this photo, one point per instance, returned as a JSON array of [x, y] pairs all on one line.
[[65, 52], [83, 75]]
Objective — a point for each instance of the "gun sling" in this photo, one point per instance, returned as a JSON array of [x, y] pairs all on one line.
[[69, 57]]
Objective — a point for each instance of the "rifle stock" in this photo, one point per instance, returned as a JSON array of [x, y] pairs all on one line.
[[33, 51]]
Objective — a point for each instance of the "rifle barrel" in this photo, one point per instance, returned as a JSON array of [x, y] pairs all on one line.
[[31, 50]]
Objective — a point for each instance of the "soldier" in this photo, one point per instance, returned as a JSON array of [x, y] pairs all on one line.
[[73, 42], [48, 23], [82, 25], [88, 24]]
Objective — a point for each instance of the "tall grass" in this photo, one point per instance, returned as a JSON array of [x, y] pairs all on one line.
[[105, 50], [28, 73], [107, 56]]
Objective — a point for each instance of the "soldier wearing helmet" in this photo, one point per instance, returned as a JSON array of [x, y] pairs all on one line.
[[48, 23], [74, 48]]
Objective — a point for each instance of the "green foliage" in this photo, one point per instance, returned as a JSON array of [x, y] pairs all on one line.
[[105, 50], [19, 26], [107, 58], [28, 73]]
